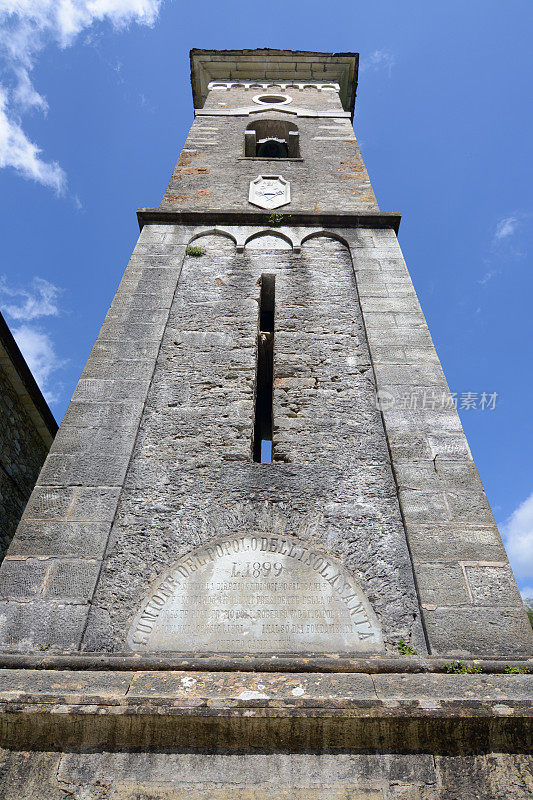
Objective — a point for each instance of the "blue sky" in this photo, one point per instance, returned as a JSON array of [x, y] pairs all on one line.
[[95, 104]]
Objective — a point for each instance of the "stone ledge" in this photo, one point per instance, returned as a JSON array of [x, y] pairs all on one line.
[[59, 709], [371, 219], [220, 692], [327, 663]]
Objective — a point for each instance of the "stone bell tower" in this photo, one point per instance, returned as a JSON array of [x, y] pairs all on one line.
[[259, 542]]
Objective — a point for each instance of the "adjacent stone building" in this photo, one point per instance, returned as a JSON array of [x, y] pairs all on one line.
[[27, 429], [259, 561]]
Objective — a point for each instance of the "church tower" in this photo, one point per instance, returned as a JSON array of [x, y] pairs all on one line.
[[260, 520]]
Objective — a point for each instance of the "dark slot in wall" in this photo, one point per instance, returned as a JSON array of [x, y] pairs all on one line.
[[262, 443]]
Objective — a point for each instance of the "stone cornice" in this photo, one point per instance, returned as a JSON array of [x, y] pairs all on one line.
[[369, 219], [246, 111], [232, 710], [274, 65], [302, 663]]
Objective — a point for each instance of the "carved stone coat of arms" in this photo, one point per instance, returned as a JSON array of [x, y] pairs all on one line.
[[269, 191]]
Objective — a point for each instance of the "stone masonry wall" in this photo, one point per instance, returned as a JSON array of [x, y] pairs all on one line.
[[212, 173], [22, 453], [51, 775], [191, 478], [48, 577], [469, 600]]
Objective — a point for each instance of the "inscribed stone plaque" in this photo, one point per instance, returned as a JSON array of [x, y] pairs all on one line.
[[256, 594]]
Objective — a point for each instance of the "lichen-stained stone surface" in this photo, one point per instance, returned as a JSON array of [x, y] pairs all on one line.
[[283, 776], [330, 484], [177, 734], [276, 776]]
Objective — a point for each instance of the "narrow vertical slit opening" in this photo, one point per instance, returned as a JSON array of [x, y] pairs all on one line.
[[262, 444]]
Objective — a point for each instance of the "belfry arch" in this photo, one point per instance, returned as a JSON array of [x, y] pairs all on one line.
[[272, 138]]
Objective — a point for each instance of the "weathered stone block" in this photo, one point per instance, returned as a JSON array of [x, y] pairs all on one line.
[[72, 581], [28, 626], [107, 389], [121, 350], [496, 632], [50, 502], [491, 585], [90, 414], [91, 469], [60, 538], [21, 579], [94, 503], [30, 775], [441, 585], [424, 506], [454, 541], [394, 305], [121, 329], [419, 375]]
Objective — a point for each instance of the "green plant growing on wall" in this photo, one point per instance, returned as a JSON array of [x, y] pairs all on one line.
[[509, 670], [194, 250], [276, 219], [406, 649], [460, 668]]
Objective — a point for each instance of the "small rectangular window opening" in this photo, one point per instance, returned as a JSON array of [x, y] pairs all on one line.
[[262, 444]]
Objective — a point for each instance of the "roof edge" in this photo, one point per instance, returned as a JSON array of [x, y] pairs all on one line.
[[271, 64], [24, 384]]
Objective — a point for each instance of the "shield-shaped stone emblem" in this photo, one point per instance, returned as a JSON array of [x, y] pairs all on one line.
[[269, 191]]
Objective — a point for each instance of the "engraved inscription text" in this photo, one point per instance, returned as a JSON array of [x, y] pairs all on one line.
[[256, 594]]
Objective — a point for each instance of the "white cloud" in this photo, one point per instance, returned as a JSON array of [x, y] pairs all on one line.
[[505, 227], [25, 94], [488, 276], [378, 60], [18, 152], [26, 28], [517, 532], [527, 592], [25, 305], [38, 301], [38, 350]]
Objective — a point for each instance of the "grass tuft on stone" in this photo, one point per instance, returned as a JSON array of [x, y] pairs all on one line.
[[405, 649], [460, 668], [193, 250], [276, 219], [509, 670]]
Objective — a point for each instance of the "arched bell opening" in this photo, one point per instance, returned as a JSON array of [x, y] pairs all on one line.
[[272, 138], [272, 148]]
